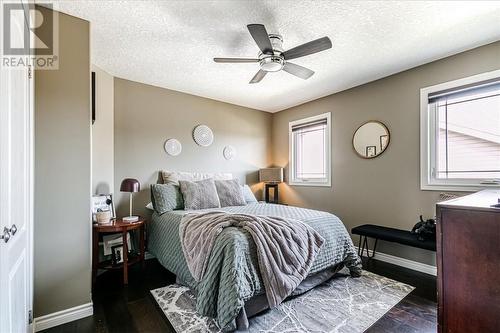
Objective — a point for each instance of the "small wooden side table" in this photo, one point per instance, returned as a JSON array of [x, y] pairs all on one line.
[[117, 226]]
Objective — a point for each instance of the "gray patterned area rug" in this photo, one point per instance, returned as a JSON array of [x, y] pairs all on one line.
[[342, 304]]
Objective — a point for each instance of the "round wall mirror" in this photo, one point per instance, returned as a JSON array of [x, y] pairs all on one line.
[[371, 139]]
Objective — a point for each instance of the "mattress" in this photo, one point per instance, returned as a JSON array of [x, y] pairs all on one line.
[[232, 276]]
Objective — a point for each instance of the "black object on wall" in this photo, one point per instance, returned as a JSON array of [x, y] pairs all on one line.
[[93, 98]]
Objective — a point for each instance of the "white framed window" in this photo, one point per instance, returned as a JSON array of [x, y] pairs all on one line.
[[310, 151], [460, 134]]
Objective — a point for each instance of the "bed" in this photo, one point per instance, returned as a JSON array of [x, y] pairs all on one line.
[[232, 289]]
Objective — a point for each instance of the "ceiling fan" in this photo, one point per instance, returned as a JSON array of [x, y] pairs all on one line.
[[272, 58]]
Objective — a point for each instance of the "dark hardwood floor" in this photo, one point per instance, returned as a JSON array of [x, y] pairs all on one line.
[[131, 308], [415, 313]]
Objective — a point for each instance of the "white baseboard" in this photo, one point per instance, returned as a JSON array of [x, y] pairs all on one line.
[[410, 264], [63, 317]]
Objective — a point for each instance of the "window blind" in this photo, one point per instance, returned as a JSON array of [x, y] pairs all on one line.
[[309, 125], [483, 89]]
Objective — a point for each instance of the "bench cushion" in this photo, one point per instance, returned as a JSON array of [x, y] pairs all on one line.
[[393, 235]]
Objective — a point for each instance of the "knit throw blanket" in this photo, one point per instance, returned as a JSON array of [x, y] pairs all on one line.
[[286, 248]]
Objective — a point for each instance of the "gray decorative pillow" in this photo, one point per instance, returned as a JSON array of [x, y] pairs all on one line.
[[248, 194], [230, 193], [166, 197], [199, 195]]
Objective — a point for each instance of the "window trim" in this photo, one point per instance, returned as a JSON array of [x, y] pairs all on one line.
[[428, 144], [291, 172]]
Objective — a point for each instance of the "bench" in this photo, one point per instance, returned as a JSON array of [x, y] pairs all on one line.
[[390, 235]]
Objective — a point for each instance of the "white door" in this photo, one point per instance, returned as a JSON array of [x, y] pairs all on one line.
[[16, 200]]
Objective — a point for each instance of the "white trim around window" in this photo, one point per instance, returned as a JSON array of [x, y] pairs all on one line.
[[296, 181], [428, 137]]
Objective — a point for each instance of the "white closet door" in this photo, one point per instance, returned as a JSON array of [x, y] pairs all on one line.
[[16, 119]]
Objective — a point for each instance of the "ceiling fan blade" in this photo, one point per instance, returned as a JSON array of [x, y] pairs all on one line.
[[235, 60], [258, 77], [261, 37], [314, 46], [299, 71]]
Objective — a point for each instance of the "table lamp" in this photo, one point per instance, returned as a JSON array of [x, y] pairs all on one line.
[[130, 185], [271, 177]]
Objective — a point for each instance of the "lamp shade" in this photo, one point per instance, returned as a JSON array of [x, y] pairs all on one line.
[[130, 185], [271, 175]]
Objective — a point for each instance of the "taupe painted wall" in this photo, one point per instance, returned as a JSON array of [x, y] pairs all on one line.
[[384, 190], [103, 134], [146, 116], [62, 174]]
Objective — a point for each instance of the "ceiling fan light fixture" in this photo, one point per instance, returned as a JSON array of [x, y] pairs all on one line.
[[272, 63]]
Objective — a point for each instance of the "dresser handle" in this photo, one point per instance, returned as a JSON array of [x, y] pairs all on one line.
[[13, 229], [6, 235]]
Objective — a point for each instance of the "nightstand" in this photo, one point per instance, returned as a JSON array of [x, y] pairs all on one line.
[[118, 226]]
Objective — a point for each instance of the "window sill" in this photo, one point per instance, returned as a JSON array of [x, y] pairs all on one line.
[[456, 188], [310, 184]]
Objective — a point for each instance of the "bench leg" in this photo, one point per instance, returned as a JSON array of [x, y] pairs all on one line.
[[374, 249], [363, 241]]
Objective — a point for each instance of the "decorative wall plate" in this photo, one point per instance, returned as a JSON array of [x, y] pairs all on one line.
[[173, 147], [229, 152], [203, 135]]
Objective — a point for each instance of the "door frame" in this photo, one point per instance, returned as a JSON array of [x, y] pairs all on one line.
[[31, 179]]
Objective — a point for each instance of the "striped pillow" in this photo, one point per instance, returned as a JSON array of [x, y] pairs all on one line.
[[173, 177]]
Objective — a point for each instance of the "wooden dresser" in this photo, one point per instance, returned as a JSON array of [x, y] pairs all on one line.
[[468, 263]]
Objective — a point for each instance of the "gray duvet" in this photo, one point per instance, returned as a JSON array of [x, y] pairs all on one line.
[[286, 248], [232, 276]]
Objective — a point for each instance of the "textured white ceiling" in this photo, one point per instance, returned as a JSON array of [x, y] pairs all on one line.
[[171, 43]]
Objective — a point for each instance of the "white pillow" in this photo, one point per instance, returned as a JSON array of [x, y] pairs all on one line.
[[150, 206], [248, 194], [173, 177]]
